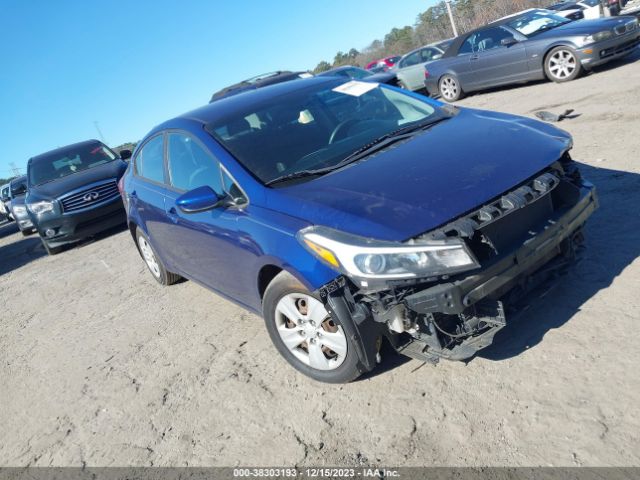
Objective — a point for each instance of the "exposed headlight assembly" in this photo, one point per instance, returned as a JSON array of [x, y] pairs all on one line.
[[598, 37], [363, 258], [43, 206], [19, 209]]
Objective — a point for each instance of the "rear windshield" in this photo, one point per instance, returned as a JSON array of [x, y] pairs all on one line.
[[315, 127], [58, 164]]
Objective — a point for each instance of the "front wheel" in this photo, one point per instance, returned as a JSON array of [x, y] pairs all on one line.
[[562, 65], [450, 88], [305, 334]]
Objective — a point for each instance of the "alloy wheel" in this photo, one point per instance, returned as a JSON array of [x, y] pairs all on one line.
[[149, 256], [449, 88], [562, 64], [309, 332]]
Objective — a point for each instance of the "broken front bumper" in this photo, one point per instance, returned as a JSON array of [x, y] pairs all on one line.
[[455, 297], [414, 318], [477, 298]]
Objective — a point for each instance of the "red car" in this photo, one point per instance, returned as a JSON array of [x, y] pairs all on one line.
[[383, 64]]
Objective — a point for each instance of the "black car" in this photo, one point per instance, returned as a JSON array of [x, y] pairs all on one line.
[[257, 82], [73, 192], [357, 73]]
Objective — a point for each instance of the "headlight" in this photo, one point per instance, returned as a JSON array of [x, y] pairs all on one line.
[[364, 258], [41, 207], [19, 209], [598, 37]]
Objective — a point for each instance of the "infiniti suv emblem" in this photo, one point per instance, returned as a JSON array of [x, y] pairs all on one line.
[[91, 196]]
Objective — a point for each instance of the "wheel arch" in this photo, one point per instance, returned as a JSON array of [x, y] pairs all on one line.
[[270, 269]]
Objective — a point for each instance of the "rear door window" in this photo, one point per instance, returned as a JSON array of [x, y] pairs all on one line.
[[150, 161]]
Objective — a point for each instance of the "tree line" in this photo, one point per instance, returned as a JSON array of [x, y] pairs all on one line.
[[432, 25]]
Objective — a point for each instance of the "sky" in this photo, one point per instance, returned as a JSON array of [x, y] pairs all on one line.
[[130, 65]]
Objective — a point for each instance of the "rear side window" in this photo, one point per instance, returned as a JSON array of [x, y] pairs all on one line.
[[412, 59], [190, 165], [150, 160]]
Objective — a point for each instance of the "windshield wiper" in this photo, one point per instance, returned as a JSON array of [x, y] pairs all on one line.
[[373, 146], [386, 140]]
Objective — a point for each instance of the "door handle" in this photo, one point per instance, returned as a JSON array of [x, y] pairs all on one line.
[[474, 57], [133, 194]]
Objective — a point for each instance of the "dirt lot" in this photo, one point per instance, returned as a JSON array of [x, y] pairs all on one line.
[[101, 366]]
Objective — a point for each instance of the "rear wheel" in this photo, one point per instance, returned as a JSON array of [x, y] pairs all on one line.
[[305, 334], [562, 65], [450, 88], [155, 266]]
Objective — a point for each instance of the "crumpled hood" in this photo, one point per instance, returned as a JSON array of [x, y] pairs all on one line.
[[437, 176], [63, 185]]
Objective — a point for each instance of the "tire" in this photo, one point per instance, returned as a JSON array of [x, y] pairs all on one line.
[[309, 335], [155, 266], [562, 65], [450, 89], [50, 250]]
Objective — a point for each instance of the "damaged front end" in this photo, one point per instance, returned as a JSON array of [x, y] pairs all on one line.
[[516, 243]]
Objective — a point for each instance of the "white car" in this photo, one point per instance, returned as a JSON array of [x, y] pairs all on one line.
[[577, 10], [410, 68]]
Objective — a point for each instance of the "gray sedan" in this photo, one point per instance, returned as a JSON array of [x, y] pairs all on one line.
[[533, 45]]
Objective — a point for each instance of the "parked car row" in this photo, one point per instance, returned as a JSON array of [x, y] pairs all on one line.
[[533, 45]]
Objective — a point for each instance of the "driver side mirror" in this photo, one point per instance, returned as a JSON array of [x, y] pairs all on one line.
[[200, 199], [22, 189], [507, 42], [125, 154]]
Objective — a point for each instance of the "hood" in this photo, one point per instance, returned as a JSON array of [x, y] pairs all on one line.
[[63, 185], [583, 27], [437, 176]]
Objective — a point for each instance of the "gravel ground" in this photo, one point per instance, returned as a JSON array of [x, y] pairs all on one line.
[[101, 366]]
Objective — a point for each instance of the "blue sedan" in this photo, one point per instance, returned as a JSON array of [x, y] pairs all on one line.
[[349, 214]]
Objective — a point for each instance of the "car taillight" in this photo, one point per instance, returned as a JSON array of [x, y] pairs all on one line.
[[426, 74]]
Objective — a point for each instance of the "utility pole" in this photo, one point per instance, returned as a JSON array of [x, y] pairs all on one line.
[[16, 170], [95, 123], [453, 23]]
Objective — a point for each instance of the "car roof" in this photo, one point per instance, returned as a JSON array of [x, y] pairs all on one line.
[[340, 69], [226, 106], [434, 44], [63, 150]]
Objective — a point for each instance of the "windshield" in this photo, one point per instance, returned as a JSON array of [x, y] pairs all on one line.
[[538, 21], [60, 163], [18, 186], [316, 127]]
